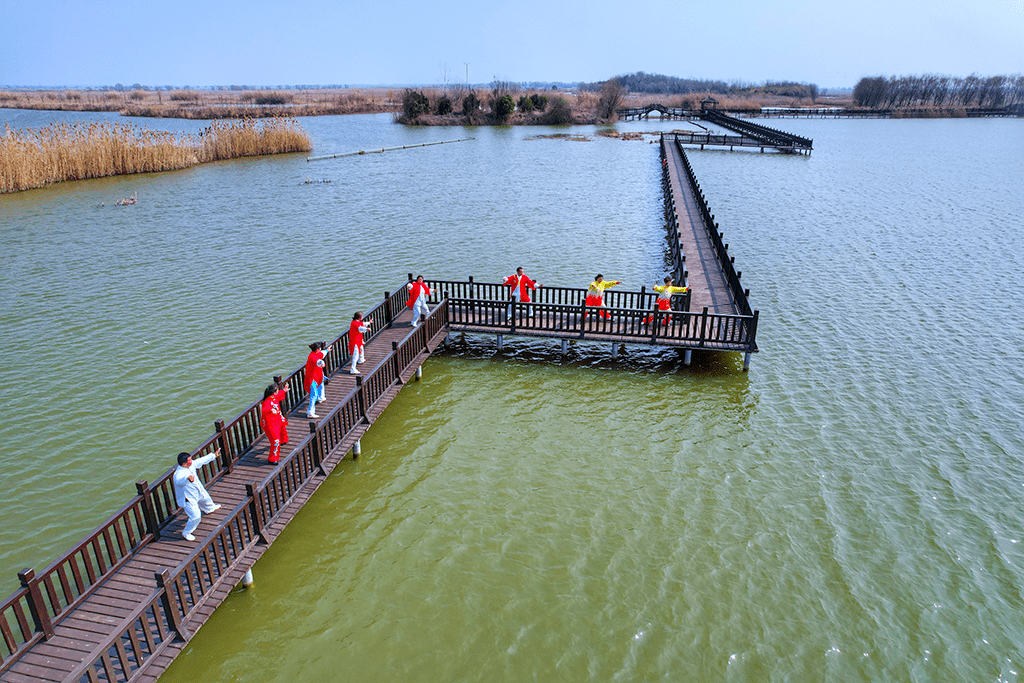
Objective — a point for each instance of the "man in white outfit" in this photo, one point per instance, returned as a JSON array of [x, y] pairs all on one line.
[[190, 492]]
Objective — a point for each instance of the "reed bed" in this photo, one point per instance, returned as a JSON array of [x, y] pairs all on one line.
[[59, 152]]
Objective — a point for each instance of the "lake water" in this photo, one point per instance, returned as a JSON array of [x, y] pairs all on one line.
[[849, 510]]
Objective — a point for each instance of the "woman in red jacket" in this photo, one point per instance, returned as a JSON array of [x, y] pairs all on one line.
[[272, 420]]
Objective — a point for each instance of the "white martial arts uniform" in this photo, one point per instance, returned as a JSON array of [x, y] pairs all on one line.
[[192, 495], [420, 307]]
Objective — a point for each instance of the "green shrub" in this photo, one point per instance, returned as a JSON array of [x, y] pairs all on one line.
[[444, 106], [414, 103], [470, 103], [525, 104], [560, 112], [504, 107], [540, 102]]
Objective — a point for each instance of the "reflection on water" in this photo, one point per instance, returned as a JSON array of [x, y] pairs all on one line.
[[849, 510]]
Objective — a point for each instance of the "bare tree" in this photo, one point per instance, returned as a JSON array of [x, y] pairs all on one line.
[[611, 97]]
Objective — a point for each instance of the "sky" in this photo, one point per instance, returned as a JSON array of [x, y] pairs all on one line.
[[400, 42]]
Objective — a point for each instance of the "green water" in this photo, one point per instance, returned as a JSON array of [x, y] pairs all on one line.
[[849, 510]]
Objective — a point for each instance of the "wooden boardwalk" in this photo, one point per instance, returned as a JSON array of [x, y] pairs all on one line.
[[125, 601], [127, 618], [706, 277]]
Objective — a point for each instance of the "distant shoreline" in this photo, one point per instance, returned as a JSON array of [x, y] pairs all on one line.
[[580, 107]]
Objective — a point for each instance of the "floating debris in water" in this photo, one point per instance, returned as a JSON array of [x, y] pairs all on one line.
[[571, 137], [316, 181], [126, 201]]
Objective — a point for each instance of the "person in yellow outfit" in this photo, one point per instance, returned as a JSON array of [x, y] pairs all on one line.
[[595, 294], [664, 299]]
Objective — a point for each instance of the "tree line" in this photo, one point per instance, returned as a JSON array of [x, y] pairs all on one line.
[[932, 90], [659, 84]]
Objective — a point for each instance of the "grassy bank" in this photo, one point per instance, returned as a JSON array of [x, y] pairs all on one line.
[[209, 104], [34, 158]]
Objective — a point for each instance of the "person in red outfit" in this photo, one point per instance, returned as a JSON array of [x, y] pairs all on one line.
[[419, 292], [356, 348], [272, 420], [313, 382], [521, 285]]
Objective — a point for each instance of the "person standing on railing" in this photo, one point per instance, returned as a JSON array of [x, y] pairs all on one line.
[[356, 348], [595, 294], [273, 420], [521, 285], [664, 300], [190, 492], [418, 295], [313, 382]]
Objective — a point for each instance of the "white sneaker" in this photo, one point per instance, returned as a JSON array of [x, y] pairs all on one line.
[[354, 372], [214, 509], [312, 415], [188, 537]]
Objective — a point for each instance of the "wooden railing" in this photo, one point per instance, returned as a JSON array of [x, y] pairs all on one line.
[[495, 291], [181, 593], [698, 330], [30, 613]]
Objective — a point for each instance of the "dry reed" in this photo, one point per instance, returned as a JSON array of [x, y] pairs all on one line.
[[34, 158]]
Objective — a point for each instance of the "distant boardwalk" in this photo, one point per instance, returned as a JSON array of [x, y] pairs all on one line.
[[122, 603]]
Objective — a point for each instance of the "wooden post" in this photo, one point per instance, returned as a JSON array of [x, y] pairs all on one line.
[[363, 406], [225, 446], [148, 511], [703, 324], [257, 512], [163, 580], [423, 331], [318, 448], [397, 361], [387, 308], [36, 604]]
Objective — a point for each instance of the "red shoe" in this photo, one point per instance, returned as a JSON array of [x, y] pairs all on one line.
[[273, 460]]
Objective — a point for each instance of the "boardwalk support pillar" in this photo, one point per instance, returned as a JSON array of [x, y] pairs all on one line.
[[357, 449], [247, 580], [419, 372], [565, 346], [615, 350], [501, 341], [687, 356], [746, 361]]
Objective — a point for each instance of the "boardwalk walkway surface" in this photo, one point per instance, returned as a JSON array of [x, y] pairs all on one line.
[[706, 277], [122, 603]]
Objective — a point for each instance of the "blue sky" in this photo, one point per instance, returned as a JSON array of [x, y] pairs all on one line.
[[225, 42]]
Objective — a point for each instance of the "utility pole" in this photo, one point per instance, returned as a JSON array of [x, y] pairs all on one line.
[[467, 73]]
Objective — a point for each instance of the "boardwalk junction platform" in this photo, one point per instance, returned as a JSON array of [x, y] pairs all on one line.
[[748, 133], [124, 601]]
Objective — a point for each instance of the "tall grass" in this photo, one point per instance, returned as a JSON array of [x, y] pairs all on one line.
[[34, 158]]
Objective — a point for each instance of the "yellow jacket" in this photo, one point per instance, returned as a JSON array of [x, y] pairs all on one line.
[[666, 291], [597, 288]]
